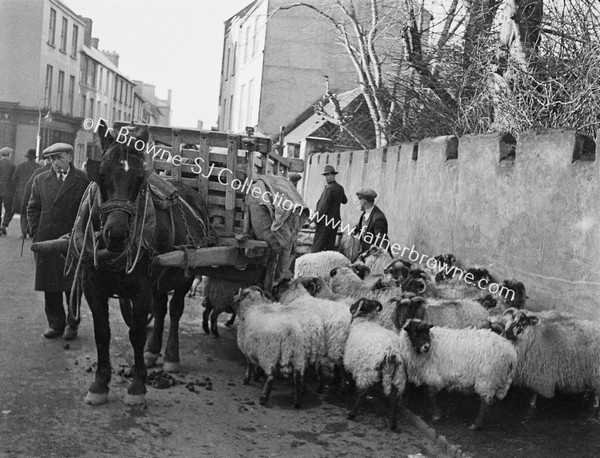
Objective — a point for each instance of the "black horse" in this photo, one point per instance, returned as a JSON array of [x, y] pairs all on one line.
[[134, 225]]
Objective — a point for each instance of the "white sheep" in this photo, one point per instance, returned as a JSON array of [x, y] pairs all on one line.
[[377, 259], [373, 355], [319, 264], [335, 317], [458, 359], [270, 340], [557, 352]]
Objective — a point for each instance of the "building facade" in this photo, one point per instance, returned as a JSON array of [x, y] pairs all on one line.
[[39, 74], [273, 69]]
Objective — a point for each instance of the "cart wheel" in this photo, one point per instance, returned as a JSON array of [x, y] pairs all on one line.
[[126, 311]]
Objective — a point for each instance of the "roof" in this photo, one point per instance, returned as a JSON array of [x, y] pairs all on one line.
[[99, 57], [302, 128]]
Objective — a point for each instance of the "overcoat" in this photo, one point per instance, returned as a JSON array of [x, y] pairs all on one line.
[[329, 204], [51, 213], [6, 170], [376, 224], [20, 178]]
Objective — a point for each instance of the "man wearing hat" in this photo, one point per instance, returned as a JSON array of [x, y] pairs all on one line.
[[372, 226], [6, 190], [20, 177], [328, 207], [51, 211]]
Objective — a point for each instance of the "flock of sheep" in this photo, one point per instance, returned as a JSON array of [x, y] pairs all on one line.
[[387, 321]]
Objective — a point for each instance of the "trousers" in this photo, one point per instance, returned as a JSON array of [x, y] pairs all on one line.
[[55, 310]]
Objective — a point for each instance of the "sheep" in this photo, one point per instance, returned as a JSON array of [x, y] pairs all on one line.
[[373, 355], [557, 352], [516, 299], [218, 295], [269, 340], [319, 264], [335, 318], [459, 359]]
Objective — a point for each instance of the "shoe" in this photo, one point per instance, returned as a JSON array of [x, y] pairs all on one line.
[[70, 333], [52, 333]]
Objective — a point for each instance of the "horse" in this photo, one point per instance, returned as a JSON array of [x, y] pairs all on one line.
[[133, 225]]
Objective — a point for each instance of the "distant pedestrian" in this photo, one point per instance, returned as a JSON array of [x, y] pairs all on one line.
[[327, 217], [20, 177], [7, 169], [372, 227], [51, 212]]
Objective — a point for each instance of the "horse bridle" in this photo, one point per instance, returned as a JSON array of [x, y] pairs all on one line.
[[109, 206]]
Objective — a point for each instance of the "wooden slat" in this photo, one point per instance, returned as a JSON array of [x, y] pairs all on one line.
[[202, 180], [229, 191], [176, 147], [217, 200], [250, 175]]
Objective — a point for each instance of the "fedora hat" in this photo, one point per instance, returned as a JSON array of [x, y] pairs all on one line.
[[329, 169], [30, 154]]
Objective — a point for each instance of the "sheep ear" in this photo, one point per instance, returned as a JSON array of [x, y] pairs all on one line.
[[510, 311], [267, 295], [534, 320], [429, 326]]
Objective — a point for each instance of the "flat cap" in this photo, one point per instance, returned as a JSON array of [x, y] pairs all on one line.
[[6, 151], [57, 148], [367, 193]]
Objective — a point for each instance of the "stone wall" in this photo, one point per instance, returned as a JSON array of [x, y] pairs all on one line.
[[529, 211]]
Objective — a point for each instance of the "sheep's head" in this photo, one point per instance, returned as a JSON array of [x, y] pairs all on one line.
[[416, 285], [372, 251], [365, 307], [513, 294], [448, 259], [311, 284], [408, 306], [281, 287], [488, 301], [419, 335], [517, 321], [480, 273], [398, 269], [361, 269], [251, 294]]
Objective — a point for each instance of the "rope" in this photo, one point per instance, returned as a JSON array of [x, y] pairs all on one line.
[[129, 269]]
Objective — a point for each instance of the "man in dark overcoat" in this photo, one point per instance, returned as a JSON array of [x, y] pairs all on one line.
[[20, 177], [327, 217], [7, 169], [372, 227], [51, 212]]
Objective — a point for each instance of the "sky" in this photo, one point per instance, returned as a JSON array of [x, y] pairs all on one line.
[[173, 44]]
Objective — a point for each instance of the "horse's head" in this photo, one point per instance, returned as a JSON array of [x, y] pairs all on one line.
[[120, 175]]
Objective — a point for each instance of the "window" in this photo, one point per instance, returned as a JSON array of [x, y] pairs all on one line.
[[114, 115], [250, 107], [120, 93], [74, 43], [52, 29], [60, 90], [224, 118], [100, 77], [63, 35], [71, 93], [92, 108], [83, 106], [230, 119], [227, 64], [116, 85], [105, 112], [91, 78], [85, 63], [48, 89], [240, 108], [254, 35], [234, 54], [247, 44]]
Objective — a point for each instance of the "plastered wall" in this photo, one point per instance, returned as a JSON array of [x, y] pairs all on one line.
[[534, 216]]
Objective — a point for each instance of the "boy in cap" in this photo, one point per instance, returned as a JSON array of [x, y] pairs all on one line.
[[51, 212], [328, 209], [372, 226], [7, 169]]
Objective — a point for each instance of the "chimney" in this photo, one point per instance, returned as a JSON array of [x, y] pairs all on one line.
[[95, 42], [112, 56], [87, 34]]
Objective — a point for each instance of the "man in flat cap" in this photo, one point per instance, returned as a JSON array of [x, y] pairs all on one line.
[[51, 211], [327, 217], [7, 169], [20, 177], [372, 226]]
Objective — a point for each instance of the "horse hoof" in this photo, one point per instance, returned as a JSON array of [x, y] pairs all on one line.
[[150, 359], [95, 399], [170, 367], [134, 399]]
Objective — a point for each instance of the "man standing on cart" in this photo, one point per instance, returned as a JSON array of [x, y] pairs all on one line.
[[327, 216]]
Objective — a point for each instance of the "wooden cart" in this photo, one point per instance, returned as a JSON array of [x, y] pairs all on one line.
[[199, 158]]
